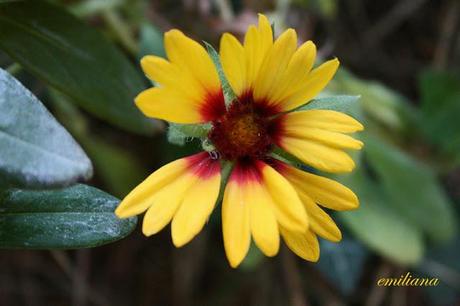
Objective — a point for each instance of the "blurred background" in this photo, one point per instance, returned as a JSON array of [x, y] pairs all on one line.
[[401, 56]]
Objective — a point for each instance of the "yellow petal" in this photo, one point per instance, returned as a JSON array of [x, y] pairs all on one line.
[[165, 204], [171, 76], [235, 223], [139, 199], [257, 43], [305, 245], [189, 87], [287, 206], [167, 104], [198, 203], [192, 58], [320, 222], [274, 65], [264, 227], [316, 82], [296, 73], [322, 119], [332, 139], [233, 63], [318, 155], [322, 190]]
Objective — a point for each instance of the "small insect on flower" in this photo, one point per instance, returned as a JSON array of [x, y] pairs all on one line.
[[264, 197]]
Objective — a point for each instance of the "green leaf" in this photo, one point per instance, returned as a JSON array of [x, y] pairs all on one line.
[[35, 150], [229, 95], [377, 101], [378, 226], [151, 41], [436, 89], [58, 48], [93, 7], [118, 169], [77, 217], [340, 103], [440, 94], [412, 189]]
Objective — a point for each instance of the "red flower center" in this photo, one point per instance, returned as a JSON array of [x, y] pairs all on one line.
[[244, 131]]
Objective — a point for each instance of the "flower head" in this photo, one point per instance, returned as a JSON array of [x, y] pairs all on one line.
[[264, 197]]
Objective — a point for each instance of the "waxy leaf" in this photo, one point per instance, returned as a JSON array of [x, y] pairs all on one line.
[[35, 150], [76, 217], [58, 48]]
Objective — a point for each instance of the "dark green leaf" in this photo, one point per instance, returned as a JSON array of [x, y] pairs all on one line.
[[60, 49], [412, 189], [436, 89], [77, 217], [440, 95], [378, 226], [342, 263], [119, 170], [35, 150], [226, 88], [442, 263]]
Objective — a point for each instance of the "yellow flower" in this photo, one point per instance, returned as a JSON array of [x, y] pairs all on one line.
[[264, 198]]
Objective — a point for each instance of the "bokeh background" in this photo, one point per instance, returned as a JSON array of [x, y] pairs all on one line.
[[401, 56]]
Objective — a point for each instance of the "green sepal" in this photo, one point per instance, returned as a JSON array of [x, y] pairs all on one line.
[[229, 95], [341, 103], [180, 134]]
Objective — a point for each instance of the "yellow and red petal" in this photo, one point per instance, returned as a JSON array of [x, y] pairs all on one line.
[[316, 144], [196, 207], [320, 222], [201, 173], [188, 81], [256, 201], [322, 119], [304, 245], [140, 198], [296, 73], [233, 59], [264, 225], [318, 155], [322, 190], [177, 183], [286, 203], [236, 226], [273, 65], [165, 203]]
